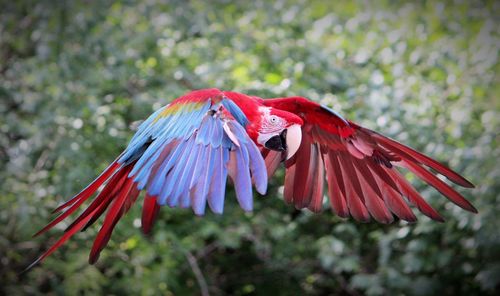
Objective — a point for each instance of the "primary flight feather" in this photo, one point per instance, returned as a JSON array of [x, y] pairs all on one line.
[[182, 155]]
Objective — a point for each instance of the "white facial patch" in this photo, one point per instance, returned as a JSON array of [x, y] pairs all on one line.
[[270, 123], [263, 138]]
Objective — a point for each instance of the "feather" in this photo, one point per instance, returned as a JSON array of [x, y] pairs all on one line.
[[382, 174], [442, 187], [112, 217], [419, 157], [218, 134], [318, 180], [68, 234], [185, 172], [303, 176], [144, 176], [199, 193], [200, 165], [413, 196], [205, 133], [103, 198], [354, 194], [218, 183], [387, 193], [336, 189], [359, 167], [289, 180], [257, 168], [235, 111], [241, 177], [395, 202], [272, 161], [230, 134], [150, 211], [91, 188], [373, 196], [156, 166], [158, 180], [80, 201]]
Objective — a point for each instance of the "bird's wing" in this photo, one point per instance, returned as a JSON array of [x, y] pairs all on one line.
[[181, 155], [359, 167]]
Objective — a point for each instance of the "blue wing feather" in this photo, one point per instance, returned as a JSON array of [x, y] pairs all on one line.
[[258, 168], [218, 184], [183, 155], [235, 111], [241, 178], [201, 188], [181, 187], [172, 178]]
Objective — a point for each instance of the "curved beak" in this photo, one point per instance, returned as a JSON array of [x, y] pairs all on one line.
[[288, 140], [293, 140]]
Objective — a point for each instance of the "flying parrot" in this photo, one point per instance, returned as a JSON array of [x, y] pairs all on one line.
[[182, 155]]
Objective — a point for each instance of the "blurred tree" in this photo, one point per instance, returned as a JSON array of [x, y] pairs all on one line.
[[75, 74]]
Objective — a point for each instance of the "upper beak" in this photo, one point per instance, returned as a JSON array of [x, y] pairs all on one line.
[[288, 140], [293, 140]]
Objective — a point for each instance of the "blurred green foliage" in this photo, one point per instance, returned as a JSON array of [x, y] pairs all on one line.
[[74, 75]]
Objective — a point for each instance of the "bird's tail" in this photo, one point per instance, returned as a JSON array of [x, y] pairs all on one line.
[[118, 194]]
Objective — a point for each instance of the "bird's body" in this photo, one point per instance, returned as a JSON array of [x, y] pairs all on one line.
[[184, 152]]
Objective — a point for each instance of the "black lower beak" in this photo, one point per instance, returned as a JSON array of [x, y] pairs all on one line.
[[278, 142]]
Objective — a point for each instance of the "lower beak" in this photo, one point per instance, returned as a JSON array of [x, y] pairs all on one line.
[[278, 142], [288, 140]]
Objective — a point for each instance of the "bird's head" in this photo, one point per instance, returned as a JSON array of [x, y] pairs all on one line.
[[279, 130]]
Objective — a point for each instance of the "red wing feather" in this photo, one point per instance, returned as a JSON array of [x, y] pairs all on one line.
[[354, 194], [360, 172], [373, 197], [442, 187], [439, 167], [413, 196], [318, 181], [336, 189], [303, 178], [150, 211]]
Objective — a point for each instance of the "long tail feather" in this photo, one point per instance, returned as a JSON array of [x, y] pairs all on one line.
[[120, 192], [62, 240], [103, 199], [91, 188], [112, 216], [74, 206]]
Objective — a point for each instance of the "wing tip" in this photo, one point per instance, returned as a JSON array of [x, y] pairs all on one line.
[[471, 209], [439, 219], [93, 258], [262, 190], [466, 183]]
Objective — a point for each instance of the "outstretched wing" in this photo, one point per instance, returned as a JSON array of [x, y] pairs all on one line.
[[358, 165], [181, 155]]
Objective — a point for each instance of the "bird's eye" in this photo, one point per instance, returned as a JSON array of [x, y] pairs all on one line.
[[274, 119]]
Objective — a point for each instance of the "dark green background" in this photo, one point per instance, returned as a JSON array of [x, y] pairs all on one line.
[[74, 75]]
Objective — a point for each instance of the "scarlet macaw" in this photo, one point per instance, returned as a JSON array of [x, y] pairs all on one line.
[[182, 154]]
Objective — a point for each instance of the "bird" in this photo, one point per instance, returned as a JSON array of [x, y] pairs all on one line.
[[185, 154]]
